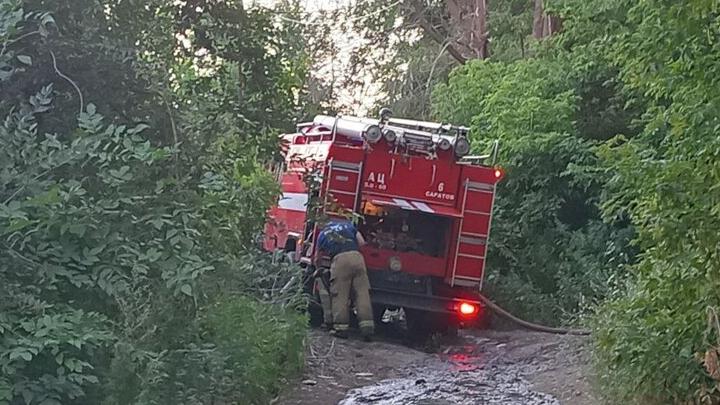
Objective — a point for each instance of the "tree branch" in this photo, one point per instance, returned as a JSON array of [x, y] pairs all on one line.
[[20, 38], [434, 34], [69, 80], [173, 126], [432, 68]]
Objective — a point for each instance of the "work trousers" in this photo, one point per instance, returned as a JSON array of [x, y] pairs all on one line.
[[348, 274]]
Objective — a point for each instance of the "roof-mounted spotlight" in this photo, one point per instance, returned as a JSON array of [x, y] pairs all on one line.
[[373, 133], [444, 144], [385, 115], [462, 147], [390, 135]]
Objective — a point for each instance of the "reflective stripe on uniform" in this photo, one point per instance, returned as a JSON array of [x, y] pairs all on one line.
[[367, 324], [340, 326]]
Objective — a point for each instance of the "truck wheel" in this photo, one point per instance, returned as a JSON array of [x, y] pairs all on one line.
[[484, 320], [380, 326], [450, 331], [426, 323], [315, 310], [419, 323], [315, 313]]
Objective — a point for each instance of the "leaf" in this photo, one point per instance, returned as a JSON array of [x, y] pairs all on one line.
[[25, 59], [18, 224], [5, 390], [47, 19], [186, 289], [77, 229], [5, 74]]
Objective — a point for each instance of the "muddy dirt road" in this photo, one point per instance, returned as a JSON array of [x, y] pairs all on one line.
[[478, 367]]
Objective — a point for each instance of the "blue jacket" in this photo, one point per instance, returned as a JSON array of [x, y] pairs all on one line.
[[338, 237]]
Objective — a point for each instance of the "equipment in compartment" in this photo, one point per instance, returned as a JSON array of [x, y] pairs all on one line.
[[399, 230]]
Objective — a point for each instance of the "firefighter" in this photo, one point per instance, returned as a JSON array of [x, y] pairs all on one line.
[[348, 274]]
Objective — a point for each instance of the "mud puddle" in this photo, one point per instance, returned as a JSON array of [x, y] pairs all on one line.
[[471, 373], [479, 367]]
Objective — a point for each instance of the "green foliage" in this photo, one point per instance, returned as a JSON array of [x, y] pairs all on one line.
[[665, 179], [242, 343], [260, 360], [126, 268], [510, 26], [549, 250]]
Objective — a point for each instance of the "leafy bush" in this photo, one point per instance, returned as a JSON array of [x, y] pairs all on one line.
[[126, 271], [549, 250], [666, 179], [259, 360]]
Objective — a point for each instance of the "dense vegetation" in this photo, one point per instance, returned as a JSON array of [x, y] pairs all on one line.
[[131, 191], [610, 136], [552, 255]]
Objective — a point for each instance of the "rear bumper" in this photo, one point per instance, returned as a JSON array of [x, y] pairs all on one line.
[[430, 303]]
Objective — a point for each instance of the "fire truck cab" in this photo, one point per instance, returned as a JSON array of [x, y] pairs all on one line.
[[423, 205]]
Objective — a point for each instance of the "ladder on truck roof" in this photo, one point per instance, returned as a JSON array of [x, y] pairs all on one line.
[[474, 229]]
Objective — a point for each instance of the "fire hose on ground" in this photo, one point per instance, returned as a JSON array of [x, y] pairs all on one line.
[[529, 325]]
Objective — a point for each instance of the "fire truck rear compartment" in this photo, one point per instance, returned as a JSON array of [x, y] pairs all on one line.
[[419, 242], [405, 231]]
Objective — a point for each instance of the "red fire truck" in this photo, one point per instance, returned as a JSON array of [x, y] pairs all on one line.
[[424, 205]]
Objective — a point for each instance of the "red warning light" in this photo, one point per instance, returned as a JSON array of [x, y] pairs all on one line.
[[498, 173], [467, 308]]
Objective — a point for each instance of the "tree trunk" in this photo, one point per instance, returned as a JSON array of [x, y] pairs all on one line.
[[417, 13], [469, 21], [479, 33], [544, 25], [538, 14]]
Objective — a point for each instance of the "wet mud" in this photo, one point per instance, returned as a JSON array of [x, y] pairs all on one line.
[[478, 367], [466, 374]]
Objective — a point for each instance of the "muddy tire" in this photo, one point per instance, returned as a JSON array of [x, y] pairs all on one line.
[[424, 323], [420, 323], [378, 311], [451, 331], [484, 320], [315, 312]]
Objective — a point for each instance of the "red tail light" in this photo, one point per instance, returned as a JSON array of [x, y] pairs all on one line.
[[467, 309]]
